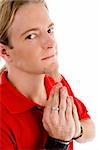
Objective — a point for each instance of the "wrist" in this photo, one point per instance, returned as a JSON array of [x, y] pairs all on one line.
[[80, 135], [55, 144], [61, 141]]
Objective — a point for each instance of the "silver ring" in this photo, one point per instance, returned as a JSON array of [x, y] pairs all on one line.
[[55, 108]]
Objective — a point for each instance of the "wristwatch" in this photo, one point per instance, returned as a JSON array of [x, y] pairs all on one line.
[[56, 144]]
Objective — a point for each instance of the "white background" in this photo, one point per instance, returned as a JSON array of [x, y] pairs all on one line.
[[77, 34]]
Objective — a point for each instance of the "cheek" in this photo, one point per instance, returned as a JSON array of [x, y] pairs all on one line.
[[25, 53]]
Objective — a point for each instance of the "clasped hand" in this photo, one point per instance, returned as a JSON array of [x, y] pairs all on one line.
[[62, 123]]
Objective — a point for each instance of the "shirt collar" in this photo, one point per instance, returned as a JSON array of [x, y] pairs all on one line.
[[14, 101]]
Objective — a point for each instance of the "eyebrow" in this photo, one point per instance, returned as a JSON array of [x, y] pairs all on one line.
[[35, 29]]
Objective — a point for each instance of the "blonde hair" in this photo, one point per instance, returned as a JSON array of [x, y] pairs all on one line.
[[8, 9]]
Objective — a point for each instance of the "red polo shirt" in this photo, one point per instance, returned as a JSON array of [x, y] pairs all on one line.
[[21, 119]]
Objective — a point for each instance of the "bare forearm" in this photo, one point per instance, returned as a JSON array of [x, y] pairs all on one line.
[[88, 131]]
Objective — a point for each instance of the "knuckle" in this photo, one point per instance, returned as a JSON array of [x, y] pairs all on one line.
[[56, 95], [62, 108], [69, 110], [63, 92], [64, 89]]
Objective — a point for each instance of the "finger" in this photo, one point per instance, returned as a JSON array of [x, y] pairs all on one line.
[[76, 120], [48, 102], [55, 104], [46, 115], [54, 116], [69, 108], [75, 113], [55, 99], [62, 106]]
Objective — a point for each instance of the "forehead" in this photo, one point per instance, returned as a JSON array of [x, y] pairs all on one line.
[[30, 15]]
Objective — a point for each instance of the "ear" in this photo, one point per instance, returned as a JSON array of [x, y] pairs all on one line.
[[4, 52]]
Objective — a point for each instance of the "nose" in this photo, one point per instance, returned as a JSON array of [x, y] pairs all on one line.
[[47, 41]]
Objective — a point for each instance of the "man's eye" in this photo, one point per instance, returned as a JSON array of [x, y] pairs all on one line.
[[31, 36], [51, 30]]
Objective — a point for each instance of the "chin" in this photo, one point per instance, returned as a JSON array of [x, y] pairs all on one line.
[[50, 69]]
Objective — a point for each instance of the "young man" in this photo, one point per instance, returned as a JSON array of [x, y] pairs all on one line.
[[38, 109]]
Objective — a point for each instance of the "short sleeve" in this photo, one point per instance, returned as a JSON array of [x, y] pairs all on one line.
[[6, 142], [81, 108]]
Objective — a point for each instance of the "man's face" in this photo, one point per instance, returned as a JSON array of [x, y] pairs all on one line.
[[31, 34]]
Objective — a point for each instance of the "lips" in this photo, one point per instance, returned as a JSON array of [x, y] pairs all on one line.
[[49, 57]]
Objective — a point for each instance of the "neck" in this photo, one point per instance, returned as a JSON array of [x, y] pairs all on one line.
[[30, 85]]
